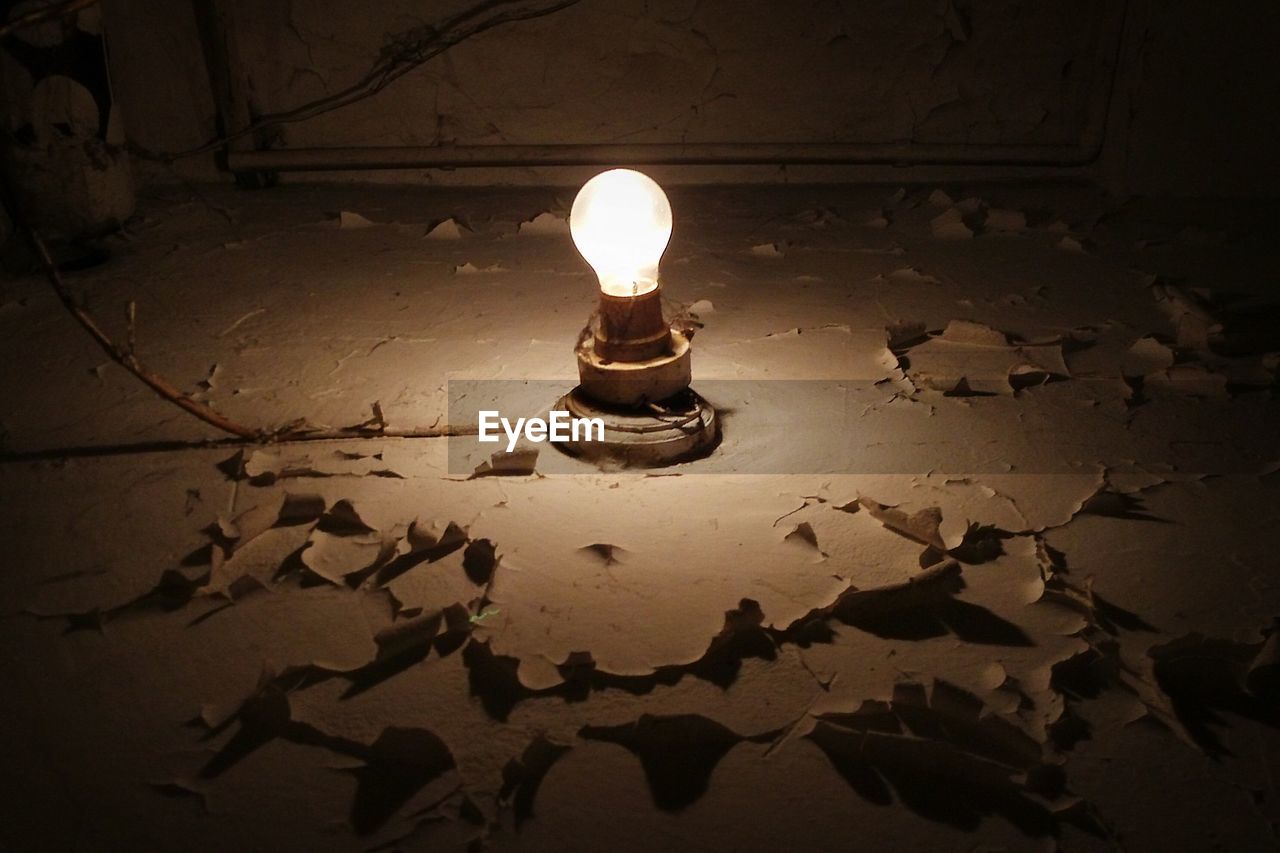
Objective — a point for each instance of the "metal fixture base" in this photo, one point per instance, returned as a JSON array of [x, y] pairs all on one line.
[[677, 429], [634, 384]]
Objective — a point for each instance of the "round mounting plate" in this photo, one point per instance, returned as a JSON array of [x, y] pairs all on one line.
[[677, 429]]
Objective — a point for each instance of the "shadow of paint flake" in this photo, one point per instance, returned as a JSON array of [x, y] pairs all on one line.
[[678, 753]]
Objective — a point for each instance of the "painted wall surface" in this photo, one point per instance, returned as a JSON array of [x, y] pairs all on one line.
[[1203, 96], [972, 74]]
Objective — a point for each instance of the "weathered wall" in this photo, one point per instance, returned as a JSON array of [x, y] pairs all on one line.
[[711, 71], [1201, 97], [970, 74]]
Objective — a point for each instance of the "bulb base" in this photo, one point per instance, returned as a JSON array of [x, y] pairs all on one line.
[[631, 328]]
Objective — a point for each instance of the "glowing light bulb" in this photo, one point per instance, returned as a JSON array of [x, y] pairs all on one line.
[[621, 222]]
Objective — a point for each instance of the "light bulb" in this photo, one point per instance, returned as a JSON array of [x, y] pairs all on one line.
[[621, 222]]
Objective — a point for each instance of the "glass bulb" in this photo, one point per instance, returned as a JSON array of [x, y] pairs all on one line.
[[621, 222]]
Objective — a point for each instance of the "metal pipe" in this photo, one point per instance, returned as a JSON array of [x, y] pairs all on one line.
[[655, 154]]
